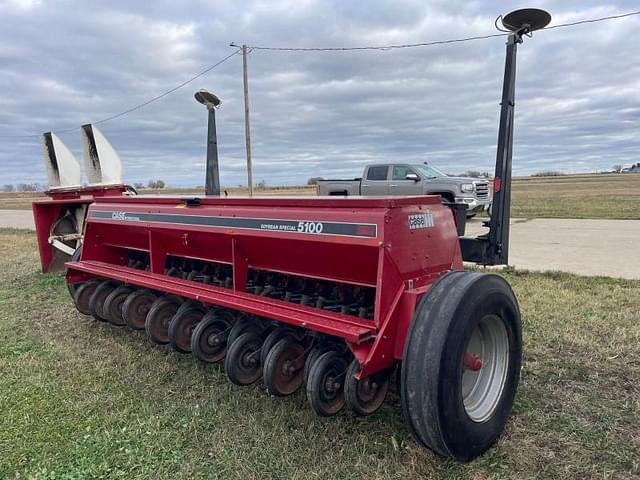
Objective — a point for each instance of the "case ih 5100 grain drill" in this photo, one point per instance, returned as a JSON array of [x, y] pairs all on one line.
[[328, 293]]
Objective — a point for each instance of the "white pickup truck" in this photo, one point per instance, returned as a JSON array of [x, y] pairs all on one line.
[[413, 179]]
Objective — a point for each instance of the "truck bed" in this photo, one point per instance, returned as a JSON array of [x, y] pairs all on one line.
[[339, 187]]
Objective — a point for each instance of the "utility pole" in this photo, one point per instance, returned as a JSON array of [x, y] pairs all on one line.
[[247, 128]]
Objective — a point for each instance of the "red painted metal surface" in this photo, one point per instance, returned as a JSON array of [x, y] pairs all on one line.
[[397, 246], [61, 200]]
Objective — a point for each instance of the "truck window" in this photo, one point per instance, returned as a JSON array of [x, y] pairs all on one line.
[[400, 172], [377, 173]]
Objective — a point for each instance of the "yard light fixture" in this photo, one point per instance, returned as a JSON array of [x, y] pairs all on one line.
[[206, 98]]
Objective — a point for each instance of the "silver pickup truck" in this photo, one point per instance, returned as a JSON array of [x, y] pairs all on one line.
[[413, 179]]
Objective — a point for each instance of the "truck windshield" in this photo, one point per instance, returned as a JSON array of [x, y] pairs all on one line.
[[429, 171]]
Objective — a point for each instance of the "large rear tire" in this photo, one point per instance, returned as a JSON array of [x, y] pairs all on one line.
[[461, 364]]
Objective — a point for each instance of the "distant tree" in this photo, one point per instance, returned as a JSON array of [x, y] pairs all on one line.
[[471, 173], [156, 184], [486, 174], [261, 185], [8, 188], [27, 187], [138, 185], [617, 168], [314, 180], [548, 173]]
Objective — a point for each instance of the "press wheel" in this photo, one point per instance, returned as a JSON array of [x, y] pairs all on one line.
[[136, 307], [283, 369], [97, 300], [313, 355], [113, 305], [325, 386], [209, 338], [242, 363], [243, 325], [366, 395], [83, 295], [157, 320], [181, 328], [270, 341]]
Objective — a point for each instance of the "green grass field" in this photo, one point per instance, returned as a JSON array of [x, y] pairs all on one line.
[[82, 399], [569, 196]]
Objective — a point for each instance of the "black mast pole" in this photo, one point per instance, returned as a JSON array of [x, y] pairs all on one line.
[[212, 181], [501, 206], [493, 248]]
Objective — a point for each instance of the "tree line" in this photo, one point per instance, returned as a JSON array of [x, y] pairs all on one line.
[[41, 187]]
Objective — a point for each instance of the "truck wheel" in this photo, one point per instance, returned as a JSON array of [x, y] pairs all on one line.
[[461, 364]]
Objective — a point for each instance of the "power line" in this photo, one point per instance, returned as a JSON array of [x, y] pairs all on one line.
[[158, 97], [593, 20], [140, 105], [427, 44], [382, 47]]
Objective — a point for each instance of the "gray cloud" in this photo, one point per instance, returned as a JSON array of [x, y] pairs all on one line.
[[325, 113]]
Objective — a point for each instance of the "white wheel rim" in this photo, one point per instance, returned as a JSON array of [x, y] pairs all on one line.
[[482, 389]]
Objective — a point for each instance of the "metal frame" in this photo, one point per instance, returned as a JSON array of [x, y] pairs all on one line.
[[255, 233]]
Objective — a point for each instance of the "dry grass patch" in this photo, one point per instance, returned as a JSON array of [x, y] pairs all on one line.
[[577, 196]]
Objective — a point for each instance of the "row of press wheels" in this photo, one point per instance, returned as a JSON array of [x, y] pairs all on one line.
[[250, 348]]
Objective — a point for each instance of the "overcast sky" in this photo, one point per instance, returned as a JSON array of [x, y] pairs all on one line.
[[327, 114]]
